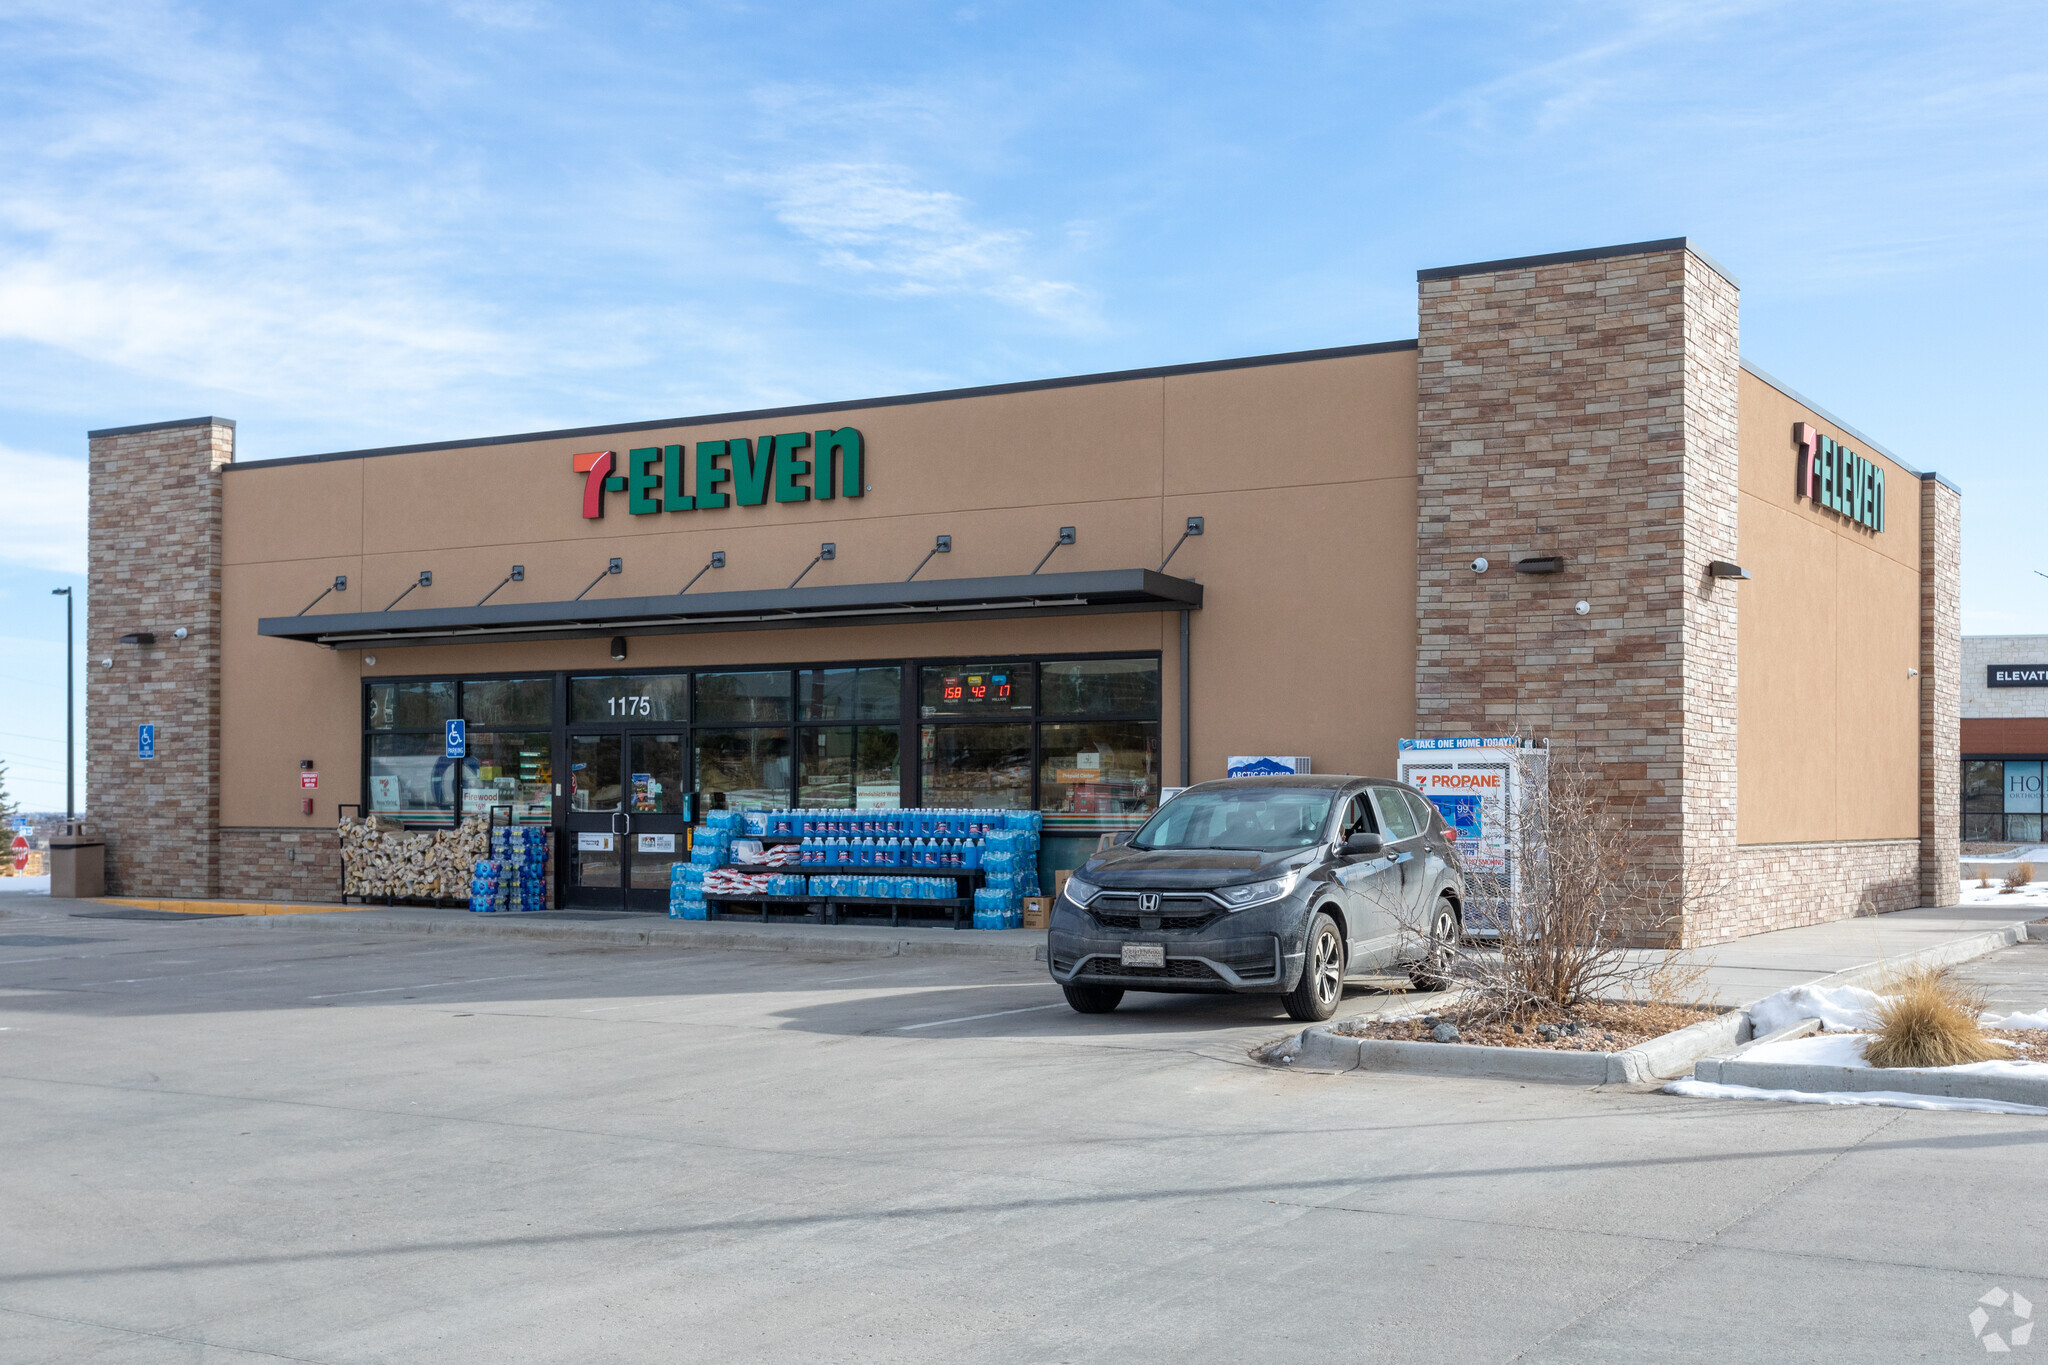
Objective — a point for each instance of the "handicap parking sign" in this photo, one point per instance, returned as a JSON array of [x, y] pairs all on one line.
[[145, 741], [457, 745]]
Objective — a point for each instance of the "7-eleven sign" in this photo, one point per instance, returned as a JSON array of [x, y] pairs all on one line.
[[596, 466]]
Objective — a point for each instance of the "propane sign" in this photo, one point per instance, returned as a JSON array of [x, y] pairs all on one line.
[[1484, 785]]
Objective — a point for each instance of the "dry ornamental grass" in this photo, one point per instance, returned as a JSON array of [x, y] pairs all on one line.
[[1929, 1018]]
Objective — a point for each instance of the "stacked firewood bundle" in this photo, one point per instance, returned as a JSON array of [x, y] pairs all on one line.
[[380, 858]]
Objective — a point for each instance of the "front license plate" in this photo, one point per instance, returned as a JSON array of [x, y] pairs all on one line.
[[1144, 955]]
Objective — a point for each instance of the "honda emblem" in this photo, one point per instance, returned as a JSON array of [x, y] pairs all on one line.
[[1148, 903]]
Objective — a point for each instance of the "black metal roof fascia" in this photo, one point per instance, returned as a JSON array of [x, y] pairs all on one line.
[[1818, 411], [227, 422], [1598, 253], [853, 405], [762, 609]]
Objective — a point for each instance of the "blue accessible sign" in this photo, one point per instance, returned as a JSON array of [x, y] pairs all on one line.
[[457, 744], [145, 741]]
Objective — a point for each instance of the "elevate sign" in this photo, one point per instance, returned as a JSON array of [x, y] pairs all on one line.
[[2016, 675], [1839, 479], [653, 477]]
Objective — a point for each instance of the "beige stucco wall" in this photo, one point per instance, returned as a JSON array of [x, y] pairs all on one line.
[[1828, 629], [1304, 471]]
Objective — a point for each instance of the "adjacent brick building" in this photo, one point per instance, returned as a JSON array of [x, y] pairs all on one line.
[[1740, 609]]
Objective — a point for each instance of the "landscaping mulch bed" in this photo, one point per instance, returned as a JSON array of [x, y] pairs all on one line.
[[1988, 850], [1605, 1026]]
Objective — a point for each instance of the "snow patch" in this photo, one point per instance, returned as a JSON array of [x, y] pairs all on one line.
[[2038, 1019], [1837, 1007], [1896, 1099]]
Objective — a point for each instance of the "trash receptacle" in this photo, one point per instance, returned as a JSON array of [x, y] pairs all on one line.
[[78, 864]]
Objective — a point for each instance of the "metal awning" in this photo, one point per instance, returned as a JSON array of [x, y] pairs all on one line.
[[852, 604]]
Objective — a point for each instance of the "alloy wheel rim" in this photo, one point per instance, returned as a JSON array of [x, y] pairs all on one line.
[[1327, 971]]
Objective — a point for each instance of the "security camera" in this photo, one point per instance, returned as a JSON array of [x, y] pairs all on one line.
[[180, 633], [1582, 606], [1479, 565], [106, 663]]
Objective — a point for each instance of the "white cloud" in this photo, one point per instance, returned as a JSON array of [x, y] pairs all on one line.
[[42, 511], [874, 221]]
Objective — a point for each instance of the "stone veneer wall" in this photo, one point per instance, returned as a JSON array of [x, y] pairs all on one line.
[[280, 864], [1782, 886], [1586, 407], [153, 530], [1941, 692]]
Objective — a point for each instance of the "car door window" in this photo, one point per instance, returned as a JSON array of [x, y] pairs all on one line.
[[1425, 810], [1357, 818], [1395, 815]]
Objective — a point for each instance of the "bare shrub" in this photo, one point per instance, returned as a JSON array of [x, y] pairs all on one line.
[[2019, 877], [1929, 1018], [1591, 888]]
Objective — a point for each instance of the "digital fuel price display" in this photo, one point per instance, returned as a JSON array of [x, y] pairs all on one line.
[[968, 690]]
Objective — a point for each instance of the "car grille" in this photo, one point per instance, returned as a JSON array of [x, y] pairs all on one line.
[[1116, 910], [1176, 969]]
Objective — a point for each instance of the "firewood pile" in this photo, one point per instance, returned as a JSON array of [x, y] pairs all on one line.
[[380, 858]]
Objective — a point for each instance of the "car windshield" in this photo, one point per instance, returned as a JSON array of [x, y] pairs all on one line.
[[1260, 818]]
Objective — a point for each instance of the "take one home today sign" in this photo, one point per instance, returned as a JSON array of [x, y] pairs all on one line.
[[796, 466]]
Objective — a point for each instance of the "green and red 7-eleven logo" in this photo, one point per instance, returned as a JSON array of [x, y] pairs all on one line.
[[737, 472]]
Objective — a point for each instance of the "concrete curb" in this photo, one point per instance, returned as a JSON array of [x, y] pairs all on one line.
[[1656, 1060], [1013, 945], [1822, 1080]]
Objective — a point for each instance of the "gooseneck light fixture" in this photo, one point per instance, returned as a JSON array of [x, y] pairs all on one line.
[[340, 584], [426, 580], [615, 566], [717, 561], [942, 546], [1066, 538]]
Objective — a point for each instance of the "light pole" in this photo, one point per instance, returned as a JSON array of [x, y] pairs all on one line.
[[70, 746]]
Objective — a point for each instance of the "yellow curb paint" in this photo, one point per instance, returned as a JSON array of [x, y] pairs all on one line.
[[228, 907]]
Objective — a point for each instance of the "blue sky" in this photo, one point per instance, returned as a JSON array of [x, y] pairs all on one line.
[[351, 225]]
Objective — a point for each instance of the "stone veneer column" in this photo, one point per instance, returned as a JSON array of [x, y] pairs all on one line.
[[1584, 405], [1941, 692], [154, 556]]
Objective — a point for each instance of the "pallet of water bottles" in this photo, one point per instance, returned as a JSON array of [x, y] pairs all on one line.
[[514, 878]]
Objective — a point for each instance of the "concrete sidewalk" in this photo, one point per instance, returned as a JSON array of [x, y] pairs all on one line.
[[1751, 968]]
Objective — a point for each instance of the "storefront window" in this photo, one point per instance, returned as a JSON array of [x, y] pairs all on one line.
[[594, 783], [626, 697], [411, 780], [411, 705], [1983, 800], [1100, 687], [971, 689], [509, 701], [739, 697], [849, 693], [1105, 768], [743, 769], [843, 766], [977, 766], [509, 768], [2023, 801]]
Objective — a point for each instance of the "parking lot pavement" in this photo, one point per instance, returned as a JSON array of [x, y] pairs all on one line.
[[2015, 979], [225, 1144]]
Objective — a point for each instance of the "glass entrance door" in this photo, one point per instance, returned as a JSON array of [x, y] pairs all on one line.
[[628, 818]]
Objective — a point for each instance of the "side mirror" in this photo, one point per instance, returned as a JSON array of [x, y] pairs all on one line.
[[1363, 845]]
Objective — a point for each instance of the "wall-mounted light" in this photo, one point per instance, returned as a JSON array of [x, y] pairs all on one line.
[[618, 647], [370, 659], [140, 637], [1721, 568], [1540, 564], [305, 765]]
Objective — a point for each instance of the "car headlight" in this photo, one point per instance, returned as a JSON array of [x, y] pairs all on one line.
[[1257, 893], [1080, 892]]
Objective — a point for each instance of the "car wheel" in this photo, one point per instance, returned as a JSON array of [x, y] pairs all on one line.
[[1315, 996], [1432, 973], [1093, 999]]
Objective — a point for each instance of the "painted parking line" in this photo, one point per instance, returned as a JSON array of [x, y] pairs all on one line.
[[970, 1018], [427, 985]]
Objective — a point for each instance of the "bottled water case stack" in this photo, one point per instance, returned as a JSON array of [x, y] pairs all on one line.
[[514, 878]]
